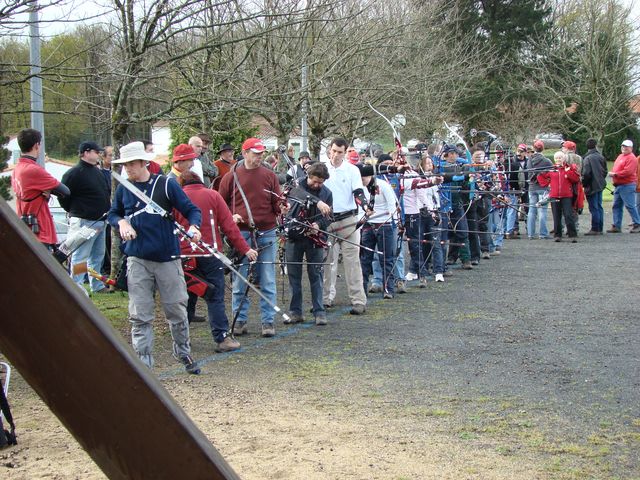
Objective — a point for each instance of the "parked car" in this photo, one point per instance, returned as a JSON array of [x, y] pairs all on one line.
[[60, 219], [551, 140]]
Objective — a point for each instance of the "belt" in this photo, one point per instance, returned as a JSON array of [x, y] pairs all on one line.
[[342, 215]]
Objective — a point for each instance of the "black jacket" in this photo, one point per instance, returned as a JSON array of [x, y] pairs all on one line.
[[594, 172], [90, 193]]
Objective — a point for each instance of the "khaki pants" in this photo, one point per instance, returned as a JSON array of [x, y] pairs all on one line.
[[350, 260]]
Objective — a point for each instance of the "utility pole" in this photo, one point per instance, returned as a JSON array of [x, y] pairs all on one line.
[[305, 127], [37, 104]]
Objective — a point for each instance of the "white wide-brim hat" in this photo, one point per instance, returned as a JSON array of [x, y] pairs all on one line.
[[134, 151]]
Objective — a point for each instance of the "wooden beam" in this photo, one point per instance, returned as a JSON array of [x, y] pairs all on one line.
[[88, 376]]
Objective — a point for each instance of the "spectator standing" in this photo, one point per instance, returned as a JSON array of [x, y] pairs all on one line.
[[224, 163], [625, 177], [33, 186], [594, 181], [538, 195], [209, 170], [88, 204]]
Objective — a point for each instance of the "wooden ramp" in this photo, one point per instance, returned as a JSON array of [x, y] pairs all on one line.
[[81, 368]]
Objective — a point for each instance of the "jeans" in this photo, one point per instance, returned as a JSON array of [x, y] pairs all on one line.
[[91, 251], [597, 212], [512, 213], [211, 270], [625, 196], [383, 238], [483, 212], [416, 225], [398, 268], [436, 251], [474, 236], [266, 272], [296, 251], [497, 226], [538, 215]]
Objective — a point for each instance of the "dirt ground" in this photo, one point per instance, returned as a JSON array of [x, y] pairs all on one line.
[[527, 367]]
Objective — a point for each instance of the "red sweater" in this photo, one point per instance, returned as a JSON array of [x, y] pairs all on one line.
[[257, 184], [209, 200], [626, 168], [560, 181]]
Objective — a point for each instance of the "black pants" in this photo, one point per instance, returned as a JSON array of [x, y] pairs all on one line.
[[561, 207]]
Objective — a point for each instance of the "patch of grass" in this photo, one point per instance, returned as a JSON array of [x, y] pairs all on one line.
[[114, 307], [432, 412], [310, 369]]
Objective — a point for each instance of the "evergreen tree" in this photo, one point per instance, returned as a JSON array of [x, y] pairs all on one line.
[[509, 28]]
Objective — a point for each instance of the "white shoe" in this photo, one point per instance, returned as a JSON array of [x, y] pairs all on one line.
[[410, 276], [439, 277]]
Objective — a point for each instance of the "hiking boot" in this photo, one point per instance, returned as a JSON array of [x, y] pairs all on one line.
[[227, 345], [423, 282], [614, 229], [321, 319], [467, 265], [375, 288], [387, 296], [240, 329], [198, 319], [190, 365], [591, 232], [268, 330], [357, 310], [439, 277], [635, 228], [486, 256], [448, 273], [293, 318], [401, 287]]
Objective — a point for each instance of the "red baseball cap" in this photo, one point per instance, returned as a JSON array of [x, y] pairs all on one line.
[[539, 144], [569, 145], [522, 147], [183, 152], [254, 144]]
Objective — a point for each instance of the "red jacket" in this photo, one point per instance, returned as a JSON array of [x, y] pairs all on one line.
[[626, 168], [560, 181], [208, 200]]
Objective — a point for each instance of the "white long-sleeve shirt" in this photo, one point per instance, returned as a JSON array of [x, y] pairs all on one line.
[[385, 204]]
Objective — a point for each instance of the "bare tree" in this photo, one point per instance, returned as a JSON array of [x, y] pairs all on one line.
[[592, 66]]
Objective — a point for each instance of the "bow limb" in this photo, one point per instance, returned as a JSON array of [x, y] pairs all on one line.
[[457, 135], [396, 135]]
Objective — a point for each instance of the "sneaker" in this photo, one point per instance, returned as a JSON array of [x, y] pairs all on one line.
[[635, 228], [467, 265], [410, 276], [423, 282], [190, 365], [240, 329], [401, 287], [328, 305], [375, 288], [268, 330], [486, 255], [439, 277], [321, 319], [227, 345], [357, 310], [387, 296], [475, 262], [614, 229], [294, 318], [557, 239]]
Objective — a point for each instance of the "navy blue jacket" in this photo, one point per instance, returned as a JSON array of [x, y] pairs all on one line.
[[155, 238]]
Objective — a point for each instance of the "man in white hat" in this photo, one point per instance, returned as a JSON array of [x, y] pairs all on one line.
[[624, 175], [153, 253]]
